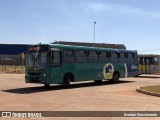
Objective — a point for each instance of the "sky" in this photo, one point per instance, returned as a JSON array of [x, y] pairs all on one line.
[[135, 23]]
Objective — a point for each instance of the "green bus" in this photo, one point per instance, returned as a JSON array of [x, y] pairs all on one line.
[[62, 64]]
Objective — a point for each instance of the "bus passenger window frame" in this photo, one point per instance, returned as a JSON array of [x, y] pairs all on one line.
[[118, 54], [101, 58], [126, 55], [108, 54], [78, 58], [114, 55], [156, 62], [95, 56], [69, 60], [52, 64]]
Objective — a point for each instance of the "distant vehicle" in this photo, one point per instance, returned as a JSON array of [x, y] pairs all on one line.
[[149, 64], [61, 64]]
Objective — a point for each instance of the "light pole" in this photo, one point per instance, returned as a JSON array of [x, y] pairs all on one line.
[[94, 33]]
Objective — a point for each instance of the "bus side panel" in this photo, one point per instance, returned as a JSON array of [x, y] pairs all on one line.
[[95, 71], [139, 69], [132, 70], [143, 69], [121, 69], [56, 75], [84, 71], [154, 69], [81, 72]]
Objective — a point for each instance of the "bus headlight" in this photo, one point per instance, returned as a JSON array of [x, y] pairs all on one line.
[[44, 75], [26, 75]]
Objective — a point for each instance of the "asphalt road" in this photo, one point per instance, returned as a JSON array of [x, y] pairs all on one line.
[[16, 95]]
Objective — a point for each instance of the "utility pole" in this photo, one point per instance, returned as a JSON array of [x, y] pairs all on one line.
[[94, 33]]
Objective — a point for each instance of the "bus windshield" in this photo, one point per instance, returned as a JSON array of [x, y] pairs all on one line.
[[36, 60]]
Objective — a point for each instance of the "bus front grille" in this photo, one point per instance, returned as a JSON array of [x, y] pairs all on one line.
[[35, 79]]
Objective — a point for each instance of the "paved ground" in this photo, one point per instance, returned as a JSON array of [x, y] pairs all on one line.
[[16, 95]]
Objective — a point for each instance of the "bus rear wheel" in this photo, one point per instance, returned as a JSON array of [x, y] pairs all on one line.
[[97, 81], [67, 80], [46, 85], [115, 78]]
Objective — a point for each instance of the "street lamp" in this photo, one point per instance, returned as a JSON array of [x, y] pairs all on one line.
[[94, 33]]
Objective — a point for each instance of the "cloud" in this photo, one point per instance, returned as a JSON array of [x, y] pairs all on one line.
[[121, 9]]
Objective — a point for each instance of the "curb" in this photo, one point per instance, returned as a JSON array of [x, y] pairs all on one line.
[[139, 89]]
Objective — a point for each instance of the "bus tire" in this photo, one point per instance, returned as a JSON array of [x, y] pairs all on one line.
[[97, 81], [46, 85], [67, 80], [115, 78]]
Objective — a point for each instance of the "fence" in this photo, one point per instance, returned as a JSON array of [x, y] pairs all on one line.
[[12, 64], [12, 69]]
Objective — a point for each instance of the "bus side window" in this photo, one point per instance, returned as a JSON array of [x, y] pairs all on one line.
[[119, 55], [130, 58], [126, 55], [141, 60], [93, 56], [55, 57], [102, 57], [81, 56], [108, 54], [138, 60], [122, 58], [156, 61], [135, 56], [114, 57], [68, 56]]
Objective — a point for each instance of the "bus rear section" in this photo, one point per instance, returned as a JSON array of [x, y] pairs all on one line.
[[149, 64]]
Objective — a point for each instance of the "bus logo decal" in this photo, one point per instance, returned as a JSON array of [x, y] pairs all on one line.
[[108, 71], [134, 67]]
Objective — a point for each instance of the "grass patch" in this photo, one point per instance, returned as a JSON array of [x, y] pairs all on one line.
[[152, 89]]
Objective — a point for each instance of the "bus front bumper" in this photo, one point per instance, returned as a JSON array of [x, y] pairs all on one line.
[[35, 79]]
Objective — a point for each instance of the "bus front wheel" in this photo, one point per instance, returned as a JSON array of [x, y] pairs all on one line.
[[46, 85]]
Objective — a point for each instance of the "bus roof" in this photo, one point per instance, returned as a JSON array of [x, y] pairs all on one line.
[[87, 48], [148, 55], [81, 47], [127, 51]]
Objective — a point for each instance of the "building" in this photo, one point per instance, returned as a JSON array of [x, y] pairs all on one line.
[[103, 45], [12, 54]]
